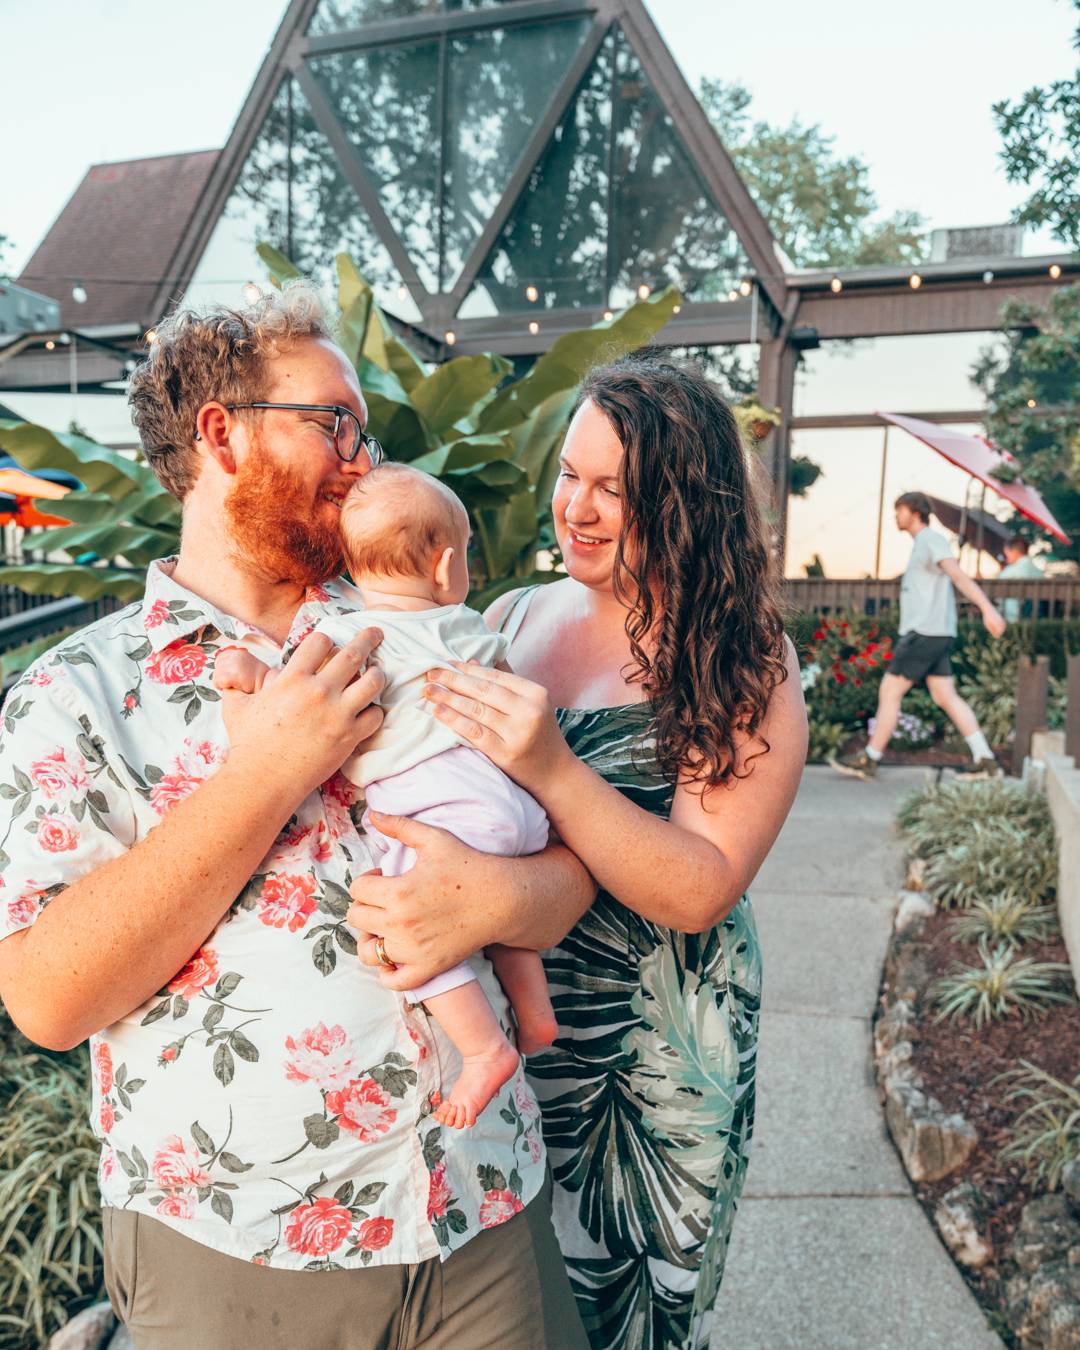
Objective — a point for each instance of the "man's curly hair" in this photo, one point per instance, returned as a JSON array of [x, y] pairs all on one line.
[[219, 353]]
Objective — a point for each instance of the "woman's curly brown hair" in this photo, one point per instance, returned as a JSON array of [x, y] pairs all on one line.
[[693, 566]]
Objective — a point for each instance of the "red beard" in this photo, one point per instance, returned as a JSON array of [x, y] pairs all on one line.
[[273, 526]]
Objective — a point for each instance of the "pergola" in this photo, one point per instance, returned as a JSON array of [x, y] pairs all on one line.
[[509, 170]]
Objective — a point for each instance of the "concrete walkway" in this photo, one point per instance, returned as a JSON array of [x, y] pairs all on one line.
[[831, 1251]]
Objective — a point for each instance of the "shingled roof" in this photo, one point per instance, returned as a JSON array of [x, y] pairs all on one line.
[[118, 236]]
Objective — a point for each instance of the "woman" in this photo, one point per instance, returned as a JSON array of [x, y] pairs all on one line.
[[655, 715]]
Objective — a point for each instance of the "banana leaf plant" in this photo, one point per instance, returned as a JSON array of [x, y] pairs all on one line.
[[493, 439]]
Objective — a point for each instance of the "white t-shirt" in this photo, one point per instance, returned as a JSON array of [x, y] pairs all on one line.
[[413, 642], [927, 601]]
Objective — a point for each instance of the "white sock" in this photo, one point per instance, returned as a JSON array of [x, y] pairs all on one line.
[[976, 743], [875, 755]]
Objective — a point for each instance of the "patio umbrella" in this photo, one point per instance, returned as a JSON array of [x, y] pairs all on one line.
[[980, 529], [19, 491], [976, 456]]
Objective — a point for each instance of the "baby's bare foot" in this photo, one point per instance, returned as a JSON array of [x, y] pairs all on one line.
[[480, 1078], [537, 1032]]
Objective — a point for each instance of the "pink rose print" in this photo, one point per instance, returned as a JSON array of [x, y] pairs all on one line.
[[177, 663], [374, 1234], [259, 1261], [179, 1206], [59, 778], [319, 1228], [526, 1102], [178, 1167], [156, 614], [439, 1193], [414, 1036], [108, 1165], [200, 971], [317, 595], [300, 845], [24, 910], [41, 678], [287, 901], [57, 834], [103, 1067], [535, 1147], [189, 770], [363, 1109], [497, 1207], [173, 788], [321, 1055], [107, 1117]]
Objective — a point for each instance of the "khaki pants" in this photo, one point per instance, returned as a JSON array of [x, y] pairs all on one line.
[[506, 1289]]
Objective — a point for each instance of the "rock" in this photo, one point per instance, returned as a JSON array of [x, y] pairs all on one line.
[[931, 1142], [894, 1026], [959, 1217], [907, 973], [1070, 1184], [916, 874], [1047, 1232], [914, 907], [88, 1330], [1044, 1297]]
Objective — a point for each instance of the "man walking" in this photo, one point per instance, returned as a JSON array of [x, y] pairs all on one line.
[[927, 633], [176, 875]]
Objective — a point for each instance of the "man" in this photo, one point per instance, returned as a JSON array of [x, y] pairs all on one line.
[[176, 885], [1018, 567], [927, 631]]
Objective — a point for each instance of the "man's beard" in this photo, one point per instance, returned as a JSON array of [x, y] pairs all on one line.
[[273, 528]]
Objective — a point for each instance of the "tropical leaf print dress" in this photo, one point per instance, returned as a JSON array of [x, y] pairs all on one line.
[[648, 1094]]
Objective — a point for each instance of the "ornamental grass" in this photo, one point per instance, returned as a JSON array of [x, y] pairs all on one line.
[[1002, 984], [1046, 1135]]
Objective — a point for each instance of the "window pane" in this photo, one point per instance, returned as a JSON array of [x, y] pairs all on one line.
[[386, 100], [333, 16], [500, 83], [556, 236], [665, 225]]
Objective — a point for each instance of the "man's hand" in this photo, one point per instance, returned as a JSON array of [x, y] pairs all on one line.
[[302, 725], [993, 621]]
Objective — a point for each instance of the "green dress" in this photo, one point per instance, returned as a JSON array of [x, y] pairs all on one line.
[[648, 1094]]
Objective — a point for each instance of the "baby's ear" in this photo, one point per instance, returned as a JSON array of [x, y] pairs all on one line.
[[442, 568]]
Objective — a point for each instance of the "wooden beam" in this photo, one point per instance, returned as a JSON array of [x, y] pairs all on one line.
[[1072, 706], [1032, 694]]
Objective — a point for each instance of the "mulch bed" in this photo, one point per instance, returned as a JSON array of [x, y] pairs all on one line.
[[958, 1066]]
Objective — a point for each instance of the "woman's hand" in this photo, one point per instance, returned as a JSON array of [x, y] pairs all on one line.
[[509, 718]]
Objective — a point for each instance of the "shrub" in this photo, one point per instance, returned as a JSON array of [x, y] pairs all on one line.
[[940, 815], [1002, 985], [1046, 1136], [996, 858], [1005, 918], [824, 740], [848, 657]]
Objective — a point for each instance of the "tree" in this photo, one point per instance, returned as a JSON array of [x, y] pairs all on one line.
[[818, 204], [1041, 148]]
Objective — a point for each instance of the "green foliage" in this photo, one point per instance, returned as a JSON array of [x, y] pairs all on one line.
[[493, 439], [1005, 918], [843, 659], [1036, 361], [989, 684], [819, 205], [50, 1242], [824, 740], [1040, 132], [996, 858], [1001, 985], [1046, 1135], [940, 815]]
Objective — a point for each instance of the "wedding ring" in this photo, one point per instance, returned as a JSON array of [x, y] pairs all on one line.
[[381, 956]]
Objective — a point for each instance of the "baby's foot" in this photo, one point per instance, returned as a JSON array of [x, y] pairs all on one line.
[[480, 1078], [535, 1032]]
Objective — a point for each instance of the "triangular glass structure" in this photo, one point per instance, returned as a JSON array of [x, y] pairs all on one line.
[[334, 16], [615, 203], [292, 194]]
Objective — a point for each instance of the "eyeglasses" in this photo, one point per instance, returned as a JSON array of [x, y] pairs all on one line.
[[349, 436]]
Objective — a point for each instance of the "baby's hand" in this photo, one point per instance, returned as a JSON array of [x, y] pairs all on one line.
[[236, 668]]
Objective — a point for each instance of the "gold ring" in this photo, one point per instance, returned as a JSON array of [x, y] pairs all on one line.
[[381, 956]]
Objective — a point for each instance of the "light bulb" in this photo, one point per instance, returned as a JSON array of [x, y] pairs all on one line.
[[1055, 270], [677, 309], [836, 285], [534, 327], [608, 316], [50, 345], [745, 287], [78, 293], [1031, 403], [914, 281], [151, 336], [532, 294], [731, 295], [402, 293], [450, 337], [988, 278], [643, 292]]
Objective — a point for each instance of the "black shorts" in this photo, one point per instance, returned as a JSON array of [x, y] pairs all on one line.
[[915, 656]]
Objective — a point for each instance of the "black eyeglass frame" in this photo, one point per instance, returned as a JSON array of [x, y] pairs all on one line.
[[375, 452]]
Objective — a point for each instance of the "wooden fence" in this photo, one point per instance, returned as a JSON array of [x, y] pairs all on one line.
[[1046, 598]]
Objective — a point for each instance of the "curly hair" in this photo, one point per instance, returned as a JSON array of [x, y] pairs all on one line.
[[218, 353], [693, 566]]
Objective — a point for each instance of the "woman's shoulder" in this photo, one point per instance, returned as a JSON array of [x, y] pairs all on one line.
[[538, 598]]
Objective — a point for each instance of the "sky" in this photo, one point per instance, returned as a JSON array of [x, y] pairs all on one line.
[[909, 89]]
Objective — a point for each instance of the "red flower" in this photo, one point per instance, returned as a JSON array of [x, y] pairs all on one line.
[[363, 1109], [858, 681], [201, 970], [131, 701], [57, 834], [103, 1064], [319, 1228], [819, 635], [287, 901], [886, 656], [841, 679], [177, 663], [439, 1193], [178, 1206], [497, 1207], [156, 614], [374, 1234], [169, 1054], [108, 1117]]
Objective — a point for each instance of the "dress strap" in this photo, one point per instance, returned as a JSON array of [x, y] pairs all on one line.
[[515, 615]]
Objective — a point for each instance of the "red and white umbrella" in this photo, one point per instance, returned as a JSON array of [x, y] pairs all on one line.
[[978, 457]]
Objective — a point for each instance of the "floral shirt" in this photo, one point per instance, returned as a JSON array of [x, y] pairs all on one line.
[[273, 1099]]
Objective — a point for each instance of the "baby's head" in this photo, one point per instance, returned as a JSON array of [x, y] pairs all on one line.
[[404, 532]]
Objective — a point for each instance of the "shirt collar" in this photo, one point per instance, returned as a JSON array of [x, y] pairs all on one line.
[[170, 612]]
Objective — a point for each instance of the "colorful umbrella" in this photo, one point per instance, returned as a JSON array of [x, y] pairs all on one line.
[[978, 457]]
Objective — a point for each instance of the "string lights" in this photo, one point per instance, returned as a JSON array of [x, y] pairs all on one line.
[[1055, 270], [745, 287], [449, 337], [532, 294], [836, 285], [534, 327], [644, 291], [608, 316], [914, 281]]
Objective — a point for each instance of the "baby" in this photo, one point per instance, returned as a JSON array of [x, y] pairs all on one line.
[[405, 538]]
